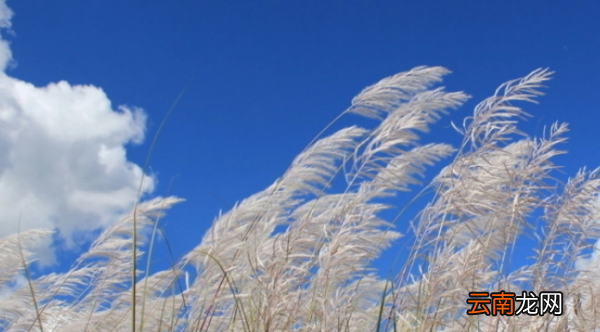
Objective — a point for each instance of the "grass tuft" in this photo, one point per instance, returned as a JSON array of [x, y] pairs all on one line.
[[298, 255]]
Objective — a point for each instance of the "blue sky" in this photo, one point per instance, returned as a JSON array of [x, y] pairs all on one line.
[[267, 77]]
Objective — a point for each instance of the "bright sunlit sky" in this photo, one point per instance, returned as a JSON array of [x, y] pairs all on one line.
[[267, 77]]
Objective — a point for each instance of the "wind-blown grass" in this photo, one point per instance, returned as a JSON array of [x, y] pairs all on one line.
[[297, 256]]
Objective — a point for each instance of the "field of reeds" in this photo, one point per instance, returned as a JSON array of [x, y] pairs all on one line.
[[298, 256]]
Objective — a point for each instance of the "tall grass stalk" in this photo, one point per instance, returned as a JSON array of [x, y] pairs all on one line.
[[298, 255]]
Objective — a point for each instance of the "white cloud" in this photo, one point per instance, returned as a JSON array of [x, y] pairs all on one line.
[[5, 16], [62, 158], [8, 289]]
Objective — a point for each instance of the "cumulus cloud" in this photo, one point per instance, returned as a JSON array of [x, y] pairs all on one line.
[[5, 23], [63, 162]]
